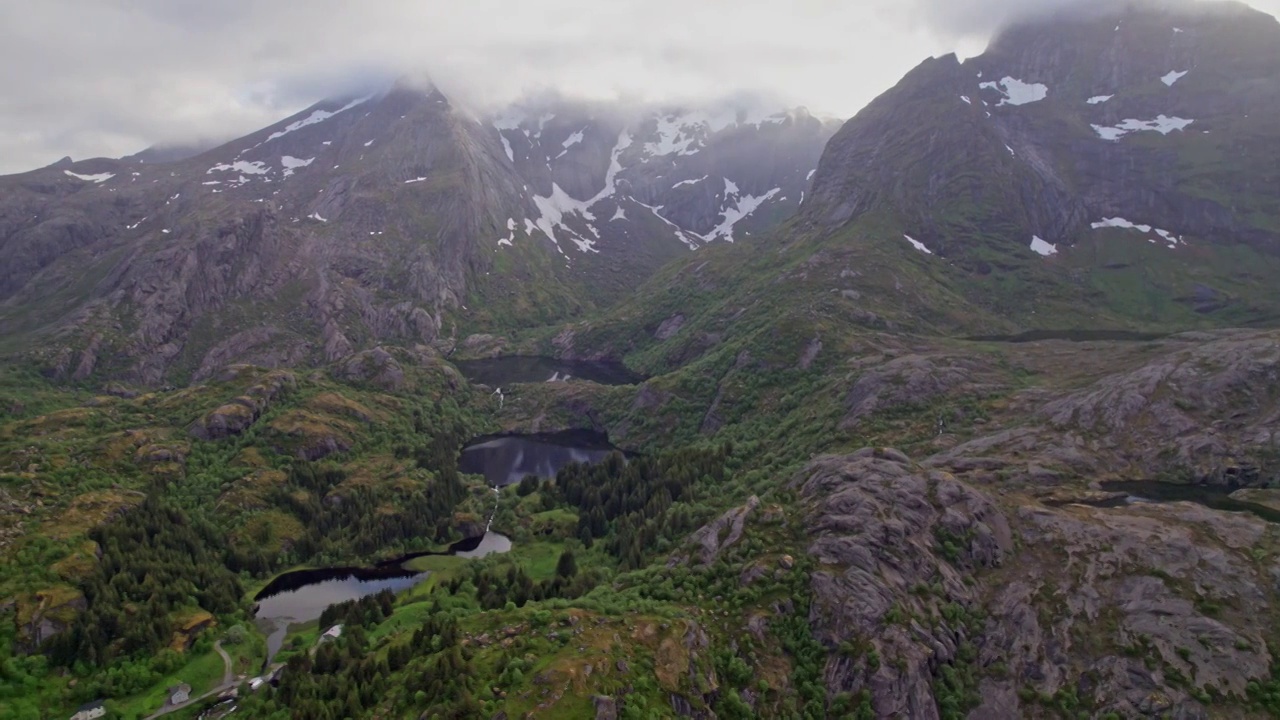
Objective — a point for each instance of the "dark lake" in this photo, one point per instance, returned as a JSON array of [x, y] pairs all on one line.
[[506, 459], [301, 596], [514, 369], [1216, 497]]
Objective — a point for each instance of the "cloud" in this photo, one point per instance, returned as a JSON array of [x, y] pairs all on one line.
[[980, 19], [107, 77]]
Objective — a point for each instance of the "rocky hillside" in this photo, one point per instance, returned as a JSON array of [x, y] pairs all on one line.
[[1128, 150], [395, 217]]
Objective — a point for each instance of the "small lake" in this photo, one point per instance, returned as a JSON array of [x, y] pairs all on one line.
[[506, 459], [1216, 497], [515, 369], [301, 596]]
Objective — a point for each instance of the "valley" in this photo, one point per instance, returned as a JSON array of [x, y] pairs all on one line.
[[577, 409]]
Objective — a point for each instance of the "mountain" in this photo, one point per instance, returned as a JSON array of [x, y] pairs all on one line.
[[1120, 161], [394, 217]]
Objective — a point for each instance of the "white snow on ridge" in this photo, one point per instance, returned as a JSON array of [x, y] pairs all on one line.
[[241, 166], [618, 214], [731, 216], [1119, 222], [966, 99], [679, 231], [316, 216], [730, 188], [672, 139], [1043, 248], [1173, 77], [291, 163], [1017, 92], [918, 245], [1162, 124], [506, 145], [415, 180], [554, 208], [99, 178], [511, 233], [1097, 99], [810, 175], [573, 139], [316, 116], [689, 182]]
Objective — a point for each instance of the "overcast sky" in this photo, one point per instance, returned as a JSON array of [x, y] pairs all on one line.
[[90, 78]]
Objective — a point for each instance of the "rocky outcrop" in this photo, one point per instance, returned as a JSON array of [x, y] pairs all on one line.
[[1133, 610], [1050, 169], [236, 416], [914, 381], [721, 534], [894, 529], [1203, 407]]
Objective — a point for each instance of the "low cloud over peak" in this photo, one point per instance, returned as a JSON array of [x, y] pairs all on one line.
[[111, 78]]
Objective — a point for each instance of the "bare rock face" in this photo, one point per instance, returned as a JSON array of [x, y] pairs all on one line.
[[881, 520], [722, 533], [377, 367], [1130, 610], [1202, 408], [912, 380], [1206, 406]]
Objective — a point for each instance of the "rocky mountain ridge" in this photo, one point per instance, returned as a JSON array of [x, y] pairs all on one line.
[[394, 217]]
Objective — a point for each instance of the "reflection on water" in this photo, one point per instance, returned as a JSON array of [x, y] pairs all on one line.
[[506, 460], [300, 597], [514, 369], [490, 543], [1216, 497]]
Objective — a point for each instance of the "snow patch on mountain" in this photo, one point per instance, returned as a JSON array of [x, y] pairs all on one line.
[[1123, 224], [1017, 92], [574, 139], [917, 245], [732, 215], [618, 214], [97, 179], [695, 181], [680, 232], [241, 166], [1043, 248], [1161, 124], [291, 163], [672, 138], [1173, 77], [316, 116], [1099, 99], [511, 233], [317, 216], [554, 208]]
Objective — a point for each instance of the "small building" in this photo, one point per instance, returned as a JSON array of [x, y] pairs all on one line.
[[90, 711], [332, 633], [179, 694]]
